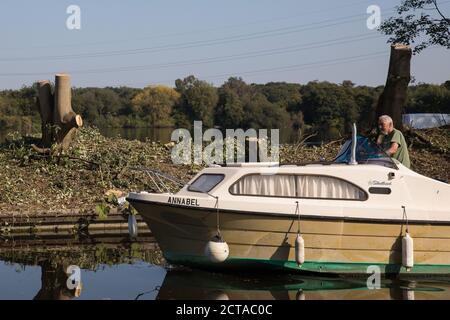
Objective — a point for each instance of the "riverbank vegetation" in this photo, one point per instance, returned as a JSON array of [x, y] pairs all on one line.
[[322, 107], [83, 176]]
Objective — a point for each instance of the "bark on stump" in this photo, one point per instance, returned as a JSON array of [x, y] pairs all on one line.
[[58, 120], [65, 120], [393, 98], [45, 106]]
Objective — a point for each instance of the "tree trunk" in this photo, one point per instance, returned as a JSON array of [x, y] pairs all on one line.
[[65, 120], [59, 122], [54, 283], [45, 106], [393, 98]]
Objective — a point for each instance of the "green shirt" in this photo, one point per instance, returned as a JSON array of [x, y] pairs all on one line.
[[402, 154]]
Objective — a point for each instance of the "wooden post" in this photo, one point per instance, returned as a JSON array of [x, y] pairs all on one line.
[[393, 98], [65, 120]]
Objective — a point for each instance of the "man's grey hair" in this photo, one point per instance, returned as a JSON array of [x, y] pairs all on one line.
[[385, 118]]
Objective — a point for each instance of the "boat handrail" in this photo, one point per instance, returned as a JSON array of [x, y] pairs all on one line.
[[253, 164], [158, 179], [157, 176]]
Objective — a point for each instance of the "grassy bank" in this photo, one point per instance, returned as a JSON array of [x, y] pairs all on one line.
[[79, 179]]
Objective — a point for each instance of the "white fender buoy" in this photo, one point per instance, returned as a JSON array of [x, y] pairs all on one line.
[[132, 226], [299, 249], [217, 250], [300, 295], [407, 252], [408, 294], [218, 295]]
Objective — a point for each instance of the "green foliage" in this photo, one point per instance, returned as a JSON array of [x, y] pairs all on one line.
[[322, 107], [18, 110], [286, 95], [198, 100], [430, 98], [128, 208], [95, 167], [83, 175], [102, 210], [255, 106], [5, 229], [112, 199], [233, 96], [419, 22], [330, 107], [156, 104]]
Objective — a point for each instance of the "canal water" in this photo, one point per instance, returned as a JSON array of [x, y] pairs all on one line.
[[162, 135], [130, 271]]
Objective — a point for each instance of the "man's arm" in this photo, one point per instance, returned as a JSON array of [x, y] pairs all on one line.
[[380, 139], [393, 149], [395, 143]]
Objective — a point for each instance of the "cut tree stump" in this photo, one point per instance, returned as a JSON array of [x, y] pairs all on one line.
[[393, 98], [59, 122], [45, 106], [65, 121]]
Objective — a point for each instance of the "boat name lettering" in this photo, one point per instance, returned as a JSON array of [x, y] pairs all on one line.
[[183, 201], [379, 183]]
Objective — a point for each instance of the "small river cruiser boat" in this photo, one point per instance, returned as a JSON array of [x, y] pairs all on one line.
[[361, 213]]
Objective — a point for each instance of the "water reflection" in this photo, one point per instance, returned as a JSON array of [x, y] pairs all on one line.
[[108, 271], [120, 269], [286, 135], [54, 283], [163, 135], [199, 285]]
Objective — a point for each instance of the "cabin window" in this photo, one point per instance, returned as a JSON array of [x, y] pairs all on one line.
[[297, 186], [206, 182], [377, 190]]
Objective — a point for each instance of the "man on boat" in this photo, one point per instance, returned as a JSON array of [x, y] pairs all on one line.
[[392, 141]]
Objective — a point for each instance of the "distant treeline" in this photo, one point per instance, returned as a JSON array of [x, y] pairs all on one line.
[[315, 107]]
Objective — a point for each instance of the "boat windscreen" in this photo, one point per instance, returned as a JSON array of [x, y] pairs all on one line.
[[366, 152], [206, 182]]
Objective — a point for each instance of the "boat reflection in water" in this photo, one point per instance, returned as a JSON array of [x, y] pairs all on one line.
[[115, 268], [203, 285]]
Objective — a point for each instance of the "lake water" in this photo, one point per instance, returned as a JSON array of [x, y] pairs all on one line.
[[164, 134], [136, 271], [153, 134]]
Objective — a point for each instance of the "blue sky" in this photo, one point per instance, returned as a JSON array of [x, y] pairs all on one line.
[[142, 42]]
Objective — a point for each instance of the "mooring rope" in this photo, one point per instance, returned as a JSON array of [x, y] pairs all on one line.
[[217, 216], [405, 216], [297, 212]]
